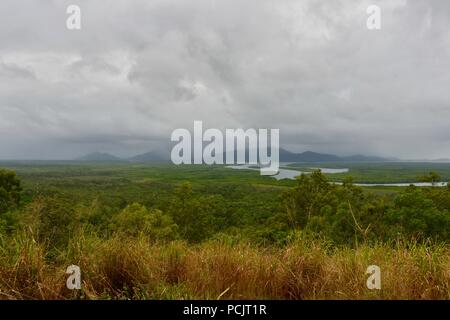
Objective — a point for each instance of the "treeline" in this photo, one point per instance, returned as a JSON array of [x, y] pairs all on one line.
[[347, 215], [341, 214]]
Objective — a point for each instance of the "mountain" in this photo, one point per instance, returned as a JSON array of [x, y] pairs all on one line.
[[98, 156], [150, 157], [309, 156], [445, 160], [163, 156], [362, 158]]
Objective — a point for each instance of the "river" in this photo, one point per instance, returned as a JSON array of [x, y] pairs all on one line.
[[292, 174]]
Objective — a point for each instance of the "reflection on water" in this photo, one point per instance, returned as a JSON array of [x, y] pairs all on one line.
[[292, 174]]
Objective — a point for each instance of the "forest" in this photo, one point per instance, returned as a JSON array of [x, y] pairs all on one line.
[[141, 231]]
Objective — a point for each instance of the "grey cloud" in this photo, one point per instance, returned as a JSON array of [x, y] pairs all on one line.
[[12, 71], [139, 69]]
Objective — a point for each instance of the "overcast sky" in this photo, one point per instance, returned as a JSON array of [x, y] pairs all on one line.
[[138, 69]]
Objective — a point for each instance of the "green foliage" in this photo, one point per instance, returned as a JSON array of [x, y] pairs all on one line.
[[216, 202], [53, 220], [118, 222], [432, 177], [346, 215], [10, 189], [198, 217], [416, 215], [382, 172], [136, 219]]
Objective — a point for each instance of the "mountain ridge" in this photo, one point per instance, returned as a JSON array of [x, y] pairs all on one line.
[[310, 156], [98, 156], [285, 156]]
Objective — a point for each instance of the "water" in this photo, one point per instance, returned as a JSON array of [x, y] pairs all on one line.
[[292, 174], [403, 184], [288, 173]]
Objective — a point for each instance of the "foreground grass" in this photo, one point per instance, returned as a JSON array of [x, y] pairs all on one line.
[[133, 268]]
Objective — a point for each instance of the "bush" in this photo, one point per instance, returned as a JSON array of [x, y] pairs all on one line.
[[415, 215], [346, 215], [10, 190], [52, 219], [136, 219], [198, 217]]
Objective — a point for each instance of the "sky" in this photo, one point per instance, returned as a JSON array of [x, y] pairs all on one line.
[[139, 69]]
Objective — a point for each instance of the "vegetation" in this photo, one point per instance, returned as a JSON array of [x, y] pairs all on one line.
[[134, 268], [160, 232], [9, 190], [383, 172], [432, 177]]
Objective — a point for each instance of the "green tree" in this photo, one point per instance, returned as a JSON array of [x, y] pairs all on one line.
[[52, 219], [415, 215], [10, 189], [198, 216], [432, 177], [136, 219], [342, 213], [312, 196]]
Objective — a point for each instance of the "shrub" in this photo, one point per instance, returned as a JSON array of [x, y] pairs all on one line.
[[136, 219], [10, 190]]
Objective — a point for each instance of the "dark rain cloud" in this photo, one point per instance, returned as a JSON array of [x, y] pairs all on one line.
[[139, 69]]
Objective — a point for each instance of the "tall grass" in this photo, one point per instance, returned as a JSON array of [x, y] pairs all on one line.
[[134, 268]]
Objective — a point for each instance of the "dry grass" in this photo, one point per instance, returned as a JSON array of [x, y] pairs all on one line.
[[133, 268]]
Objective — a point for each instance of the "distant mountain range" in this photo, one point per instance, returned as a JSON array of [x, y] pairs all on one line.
[[285, 156], [151, 157], [99, 156], [106, 157], [309, 156]]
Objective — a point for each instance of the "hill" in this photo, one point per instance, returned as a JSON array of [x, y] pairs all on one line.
[[99, 156], [309, 156], [285, 156], [150, 157]]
